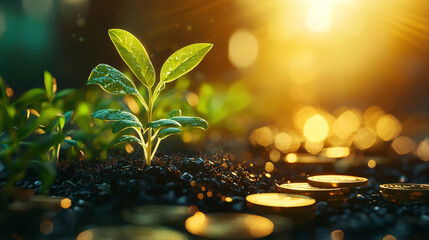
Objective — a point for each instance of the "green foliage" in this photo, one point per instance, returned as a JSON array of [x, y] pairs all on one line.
[[183, 61], [32, 130], [168, 132], [112, 80], [134, 55], [92, 135], [220, 104], [115, 82]]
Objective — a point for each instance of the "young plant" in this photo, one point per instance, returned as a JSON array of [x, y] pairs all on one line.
[[151, 132], [32, 130]]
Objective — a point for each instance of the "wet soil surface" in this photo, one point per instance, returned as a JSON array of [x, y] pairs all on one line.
[[99, 191]]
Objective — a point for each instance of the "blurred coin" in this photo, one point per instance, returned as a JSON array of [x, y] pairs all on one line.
[[306, 158], [37, 202], [131, 233], [303, 188], [337, 181], [282, 203], [155, 214], [229, 225], [402, 192]]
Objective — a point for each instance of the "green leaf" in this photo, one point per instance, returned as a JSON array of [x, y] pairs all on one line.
[[71, 142], [29, 97], [67, 116], [46, 173], [63, 93], [111, 80], [183, 61], [49, 86], [60, 121], [41, 146], [127, 139], [167, 132], [124, 124], [163, 123], [114, 114], [174, 113], [134, 55], [46, 116], [192, 122]]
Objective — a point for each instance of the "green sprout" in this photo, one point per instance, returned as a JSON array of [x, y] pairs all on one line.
[[33, 128], [115, 82]]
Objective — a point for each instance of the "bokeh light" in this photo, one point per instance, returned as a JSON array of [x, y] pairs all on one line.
[[242, 48], [262, 136], [337, 235], [269, 167], [403, 145], [388, 127], [372, 163], [46, 227], [365, 138], [337, 152], [283, 141], [291, 158], [423, 149], [66, 203], [316, 128]]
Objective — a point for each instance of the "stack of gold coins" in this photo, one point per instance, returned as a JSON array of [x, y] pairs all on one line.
[[229, 226], [334, 195], [404, 192], [292, 205]]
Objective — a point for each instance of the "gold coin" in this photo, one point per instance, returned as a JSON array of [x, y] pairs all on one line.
[[337, 181], [406, 188], [155, 214], [303, 188], [280, 200], [400, 192], [130, 233], [229, 225], [282, 203]]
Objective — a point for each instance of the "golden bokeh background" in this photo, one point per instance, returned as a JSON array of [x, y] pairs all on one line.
[[306, 74]]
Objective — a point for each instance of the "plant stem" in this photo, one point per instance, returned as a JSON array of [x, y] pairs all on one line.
[[149, 133]]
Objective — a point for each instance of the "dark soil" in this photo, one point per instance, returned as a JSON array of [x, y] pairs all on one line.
[[220, 183]]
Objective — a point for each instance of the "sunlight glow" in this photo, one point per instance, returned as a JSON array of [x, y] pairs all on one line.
[[319, 15]]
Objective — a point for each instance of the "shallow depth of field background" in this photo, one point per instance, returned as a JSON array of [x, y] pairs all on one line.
[[294, 75]]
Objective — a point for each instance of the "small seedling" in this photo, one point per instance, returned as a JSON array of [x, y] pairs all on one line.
[[32, 130], [114, 82]]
